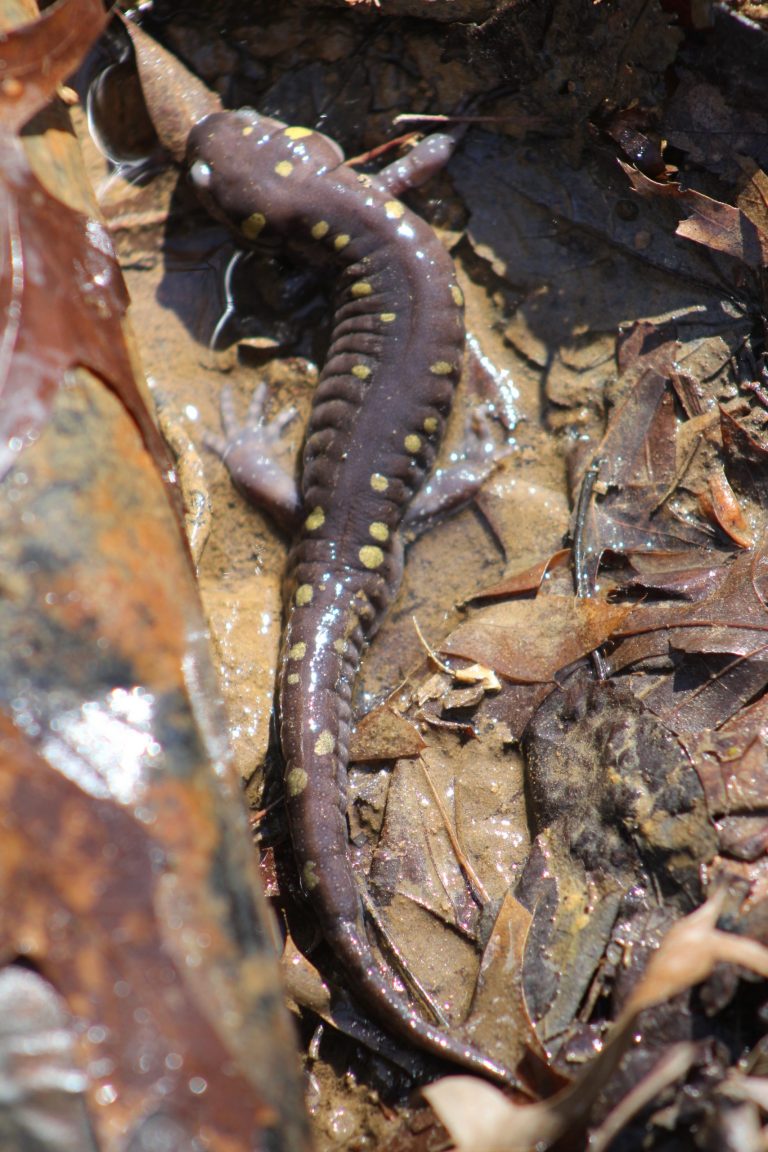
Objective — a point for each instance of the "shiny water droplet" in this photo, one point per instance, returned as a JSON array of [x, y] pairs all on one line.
[[106, 1094]]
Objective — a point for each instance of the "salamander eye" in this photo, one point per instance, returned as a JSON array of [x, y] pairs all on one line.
[[201, 174]]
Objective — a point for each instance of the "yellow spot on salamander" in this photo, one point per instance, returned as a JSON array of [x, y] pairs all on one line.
[[293, 678], [309, 879], [412, 442], [362, 288], [458, 295], [315, 520], [325, 743], [430, 425], [361, 371], [394, 209], [441, 368], [251, 227], [296, 781], [284, 168], [297, 651], [340, 646], [341, 241], [317, 231], [364, 180], [297, 133], [388, 317], [247, 130], [379, 531], [304, 594], [371, 556], [379, 483]]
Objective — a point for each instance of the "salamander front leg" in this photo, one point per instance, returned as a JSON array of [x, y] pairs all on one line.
[[422, 162], [249, 451]]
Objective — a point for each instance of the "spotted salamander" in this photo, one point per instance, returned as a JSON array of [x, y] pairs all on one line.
[[377, 418]]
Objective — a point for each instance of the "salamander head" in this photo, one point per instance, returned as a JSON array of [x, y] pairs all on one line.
[[246, 167]]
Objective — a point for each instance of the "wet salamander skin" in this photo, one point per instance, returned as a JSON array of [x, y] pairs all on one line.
[[376, 420]]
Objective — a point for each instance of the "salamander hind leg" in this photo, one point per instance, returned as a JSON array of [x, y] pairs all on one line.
[[455, 484]]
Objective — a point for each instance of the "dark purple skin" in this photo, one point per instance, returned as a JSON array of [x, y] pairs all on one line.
[[377, 418]]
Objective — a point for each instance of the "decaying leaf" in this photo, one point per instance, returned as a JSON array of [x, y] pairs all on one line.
[[737, 231], [126, 875], [480, 1118], [383, 734], [520, 582], [564, 630], [721, 505], [636, 472], [724, 229], [41, 54], [620, 796], [48, 247]]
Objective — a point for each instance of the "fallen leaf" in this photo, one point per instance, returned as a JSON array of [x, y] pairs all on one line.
[[529, 580], [720, 504], [480, 1118], [530, 641], [383, 734]]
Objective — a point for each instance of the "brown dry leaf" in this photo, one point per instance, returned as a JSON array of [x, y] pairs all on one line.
[[635, 473], [724, 229], [383, 734], [721, 506], [718, 226], [480, 1118], [40, 55], [731, 622], [126, 876], [732, 764], [529, 641], [480, 678], [175, 98], [753, 200], [48, 247], [530, 580], [121, 820], [691, 575], [499, 1011]]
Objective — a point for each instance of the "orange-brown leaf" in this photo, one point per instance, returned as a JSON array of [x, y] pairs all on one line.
[[721, 506], [384, 734], [530, 641]]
